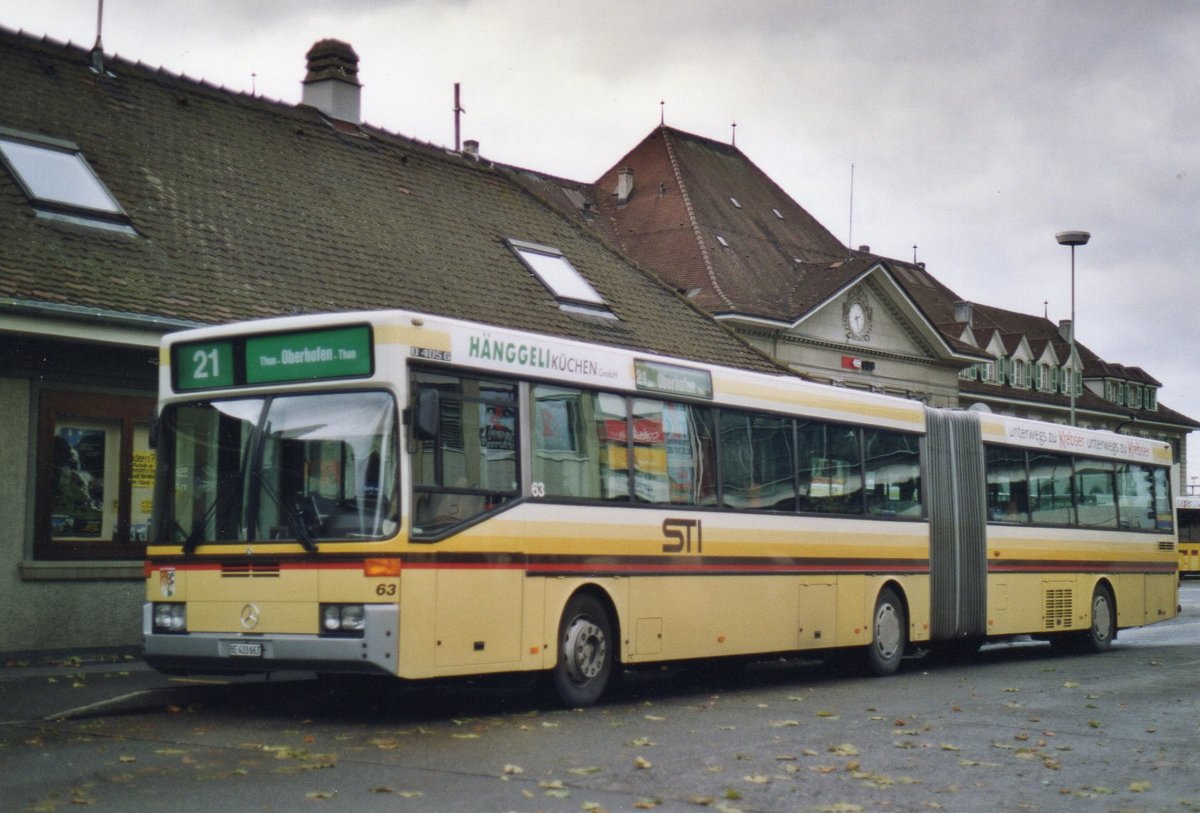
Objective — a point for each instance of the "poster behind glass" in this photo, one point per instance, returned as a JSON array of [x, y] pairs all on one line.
[[85, 474]]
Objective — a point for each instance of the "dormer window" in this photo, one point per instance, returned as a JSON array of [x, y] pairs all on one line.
[[59, 182], [1045, 383], [573, 292], [1018, 373]]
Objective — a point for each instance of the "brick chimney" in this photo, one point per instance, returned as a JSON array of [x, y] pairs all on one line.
[[331, 84]]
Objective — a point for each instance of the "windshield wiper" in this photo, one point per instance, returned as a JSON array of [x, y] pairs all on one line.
[[295, 520], [197, 534]]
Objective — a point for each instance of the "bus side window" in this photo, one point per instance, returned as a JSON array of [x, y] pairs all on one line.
[[829, 469], [578, 444], [1050, 498], [893, 473], [464, 459], [674, 453], [757, 462], [1007, 485], [1164, 506], [1095, 495], [1135, 496]]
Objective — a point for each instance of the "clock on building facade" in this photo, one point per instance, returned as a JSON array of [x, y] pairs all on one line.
[[856, 317]]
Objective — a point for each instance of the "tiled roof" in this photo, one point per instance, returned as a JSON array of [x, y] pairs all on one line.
[[250, 208], [711, 223], [690, 194]]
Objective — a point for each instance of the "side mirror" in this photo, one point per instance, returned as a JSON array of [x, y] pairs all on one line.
[[427, 414]]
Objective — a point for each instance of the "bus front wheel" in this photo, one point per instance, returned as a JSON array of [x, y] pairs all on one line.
[[585, 653], [889, 634]]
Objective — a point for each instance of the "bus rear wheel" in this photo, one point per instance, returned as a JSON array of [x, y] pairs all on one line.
[[1103, 629], [585, 652], [889, 634]]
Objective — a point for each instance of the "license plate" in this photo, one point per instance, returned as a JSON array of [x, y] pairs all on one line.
[[241, 650]]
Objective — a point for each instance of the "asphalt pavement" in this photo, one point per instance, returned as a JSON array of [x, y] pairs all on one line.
[[63, 685]]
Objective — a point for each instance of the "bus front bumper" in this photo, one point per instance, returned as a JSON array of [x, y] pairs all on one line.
[[215, 653]]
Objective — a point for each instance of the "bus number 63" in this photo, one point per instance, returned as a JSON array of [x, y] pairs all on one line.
[[681, 530]]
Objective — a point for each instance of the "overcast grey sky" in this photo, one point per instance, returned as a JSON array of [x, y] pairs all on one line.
[[976, 129]]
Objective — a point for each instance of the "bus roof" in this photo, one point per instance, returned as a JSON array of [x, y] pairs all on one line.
[[505, 351], [488, 348]]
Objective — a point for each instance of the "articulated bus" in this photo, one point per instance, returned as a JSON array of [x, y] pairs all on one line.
[[1188, 511], [421, 497]]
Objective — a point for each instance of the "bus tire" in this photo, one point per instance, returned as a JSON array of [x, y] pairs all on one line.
[[1102, 628], [585, 652], [889, 634]]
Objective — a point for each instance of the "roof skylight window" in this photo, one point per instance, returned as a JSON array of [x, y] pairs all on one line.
[[562, 279], [57, 178], [734, 201], [722, 241], [778, 213]]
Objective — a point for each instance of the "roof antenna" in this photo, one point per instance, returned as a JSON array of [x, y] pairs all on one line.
[[850, 238], [458, 111], [98, 48]]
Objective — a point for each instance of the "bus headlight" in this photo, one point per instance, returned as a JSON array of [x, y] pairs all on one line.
[[170, 617], [343, 618]]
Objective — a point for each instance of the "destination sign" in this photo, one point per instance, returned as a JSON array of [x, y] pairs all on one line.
[[310, 355], [671, 380]]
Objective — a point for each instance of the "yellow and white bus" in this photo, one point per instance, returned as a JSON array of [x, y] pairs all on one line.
[[412, 495], [1188, 512]]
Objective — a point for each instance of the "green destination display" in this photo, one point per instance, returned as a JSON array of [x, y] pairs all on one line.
[[304, 356], [339, 353], [204, 365]]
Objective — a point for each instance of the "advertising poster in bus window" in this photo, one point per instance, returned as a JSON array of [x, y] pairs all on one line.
[[77, 507], [679, 453], [556, 426], [497, 430]]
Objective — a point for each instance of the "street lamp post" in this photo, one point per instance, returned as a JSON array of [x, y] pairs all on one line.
[[1072, 239]]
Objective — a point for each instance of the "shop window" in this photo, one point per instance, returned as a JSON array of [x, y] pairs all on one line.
[[95, 476]]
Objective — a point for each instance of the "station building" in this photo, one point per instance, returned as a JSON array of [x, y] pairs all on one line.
[[135, 202]]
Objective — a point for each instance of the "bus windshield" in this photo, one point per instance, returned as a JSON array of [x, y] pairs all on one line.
[[302, 468]]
